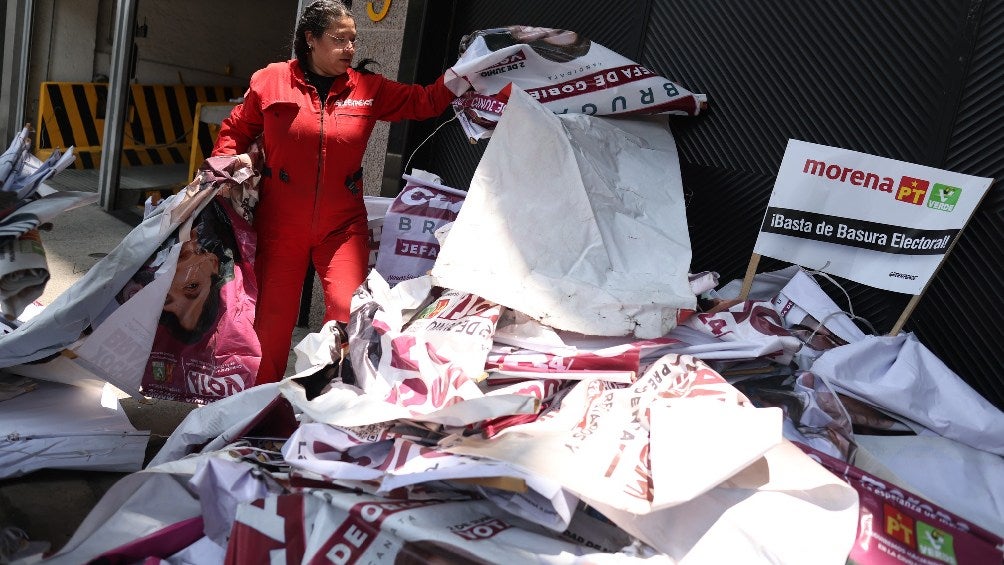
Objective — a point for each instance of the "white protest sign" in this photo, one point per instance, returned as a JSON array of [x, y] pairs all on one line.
[[877, 221]]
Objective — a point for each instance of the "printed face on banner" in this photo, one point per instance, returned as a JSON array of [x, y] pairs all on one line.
[[877, 221], [192, 284]]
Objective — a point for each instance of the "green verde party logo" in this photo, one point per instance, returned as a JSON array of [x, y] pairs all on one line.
[[934, 543], [943, 197]]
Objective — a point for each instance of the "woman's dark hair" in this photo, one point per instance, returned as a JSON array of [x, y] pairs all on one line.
[[363, 66], [215, 232], [316, 18]]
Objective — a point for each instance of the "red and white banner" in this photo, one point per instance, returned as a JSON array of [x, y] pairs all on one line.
[[408, 245], [563, 70]]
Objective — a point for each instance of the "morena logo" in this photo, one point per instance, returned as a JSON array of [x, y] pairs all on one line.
[[909, 190]]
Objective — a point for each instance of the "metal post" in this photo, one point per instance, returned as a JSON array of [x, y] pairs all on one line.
[[16, 47], [118, 96]]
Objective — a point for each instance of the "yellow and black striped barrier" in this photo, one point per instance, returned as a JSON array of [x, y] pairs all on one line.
[[208, 116], [72, 114], [159, 125]]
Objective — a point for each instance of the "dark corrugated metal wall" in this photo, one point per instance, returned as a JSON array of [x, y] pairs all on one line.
[[960, 315], [912, 80]]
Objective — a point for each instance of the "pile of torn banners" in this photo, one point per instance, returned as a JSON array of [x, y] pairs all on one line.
[[554, 391], [27, 205], [66, 364], [56, 425]]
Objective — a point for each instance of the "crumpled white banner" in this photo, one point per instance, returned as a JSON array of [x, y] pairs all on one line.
[[604, 248]]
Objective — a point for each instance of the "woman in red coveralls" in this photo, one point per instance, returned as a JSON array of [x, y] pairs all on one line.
[[315, 114]]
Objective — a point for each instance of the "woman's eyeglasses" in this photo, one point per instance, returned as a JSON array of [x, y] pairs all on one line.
[[343, 42]]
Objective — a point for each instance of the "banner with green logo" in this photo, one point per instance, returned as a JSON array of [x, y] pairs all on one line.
[[877, 221]]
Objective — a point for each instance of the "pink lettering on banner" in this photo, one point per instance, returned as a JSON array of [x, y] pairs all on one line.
[[480, 102], [682, 106], [357, 532], [786, 308], [628, 360], [714, 323], [642, 486], [319, 447], [706, 376], [543, 388], [274, 524], [762, 318], [400, 353], [415, 392], [396, 457], [468, 305], [510, 60], [436, 394], [590, 83], [426, 202]]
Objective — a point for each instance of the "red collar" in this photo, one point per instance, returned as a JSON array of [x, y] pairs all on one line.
[[342, 82]]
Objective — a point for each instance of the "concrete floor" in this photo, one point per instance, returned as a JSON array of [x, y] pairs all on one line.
[[50, 504]]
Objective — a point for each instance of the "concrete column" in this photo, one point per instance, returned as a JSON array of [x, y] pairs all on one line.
[[14, 69]]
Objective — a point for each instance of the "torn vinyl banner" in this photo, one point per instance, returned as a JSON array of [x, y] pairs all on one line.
[[577, 221], [564, 70]]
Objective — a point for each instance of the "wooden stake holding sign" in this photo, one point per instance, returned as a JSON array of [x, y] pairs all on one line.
[[906, 314], [748, 279], [755, 262], [910, 306], [880, 222]]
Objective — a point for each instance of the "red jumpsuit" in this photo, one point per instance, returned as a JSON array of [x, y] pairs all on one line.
[[311, 195]]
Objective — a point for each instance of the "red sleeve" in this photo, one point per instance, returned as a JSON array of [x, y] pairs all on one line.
[[398, 101], [241, 127]]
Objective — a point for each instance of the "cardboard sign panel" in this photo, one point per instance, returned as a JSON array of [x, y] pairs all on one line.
[[877, 221]]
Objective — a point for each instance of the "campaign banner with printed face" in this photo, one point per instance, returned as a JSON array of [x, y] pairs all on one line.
[[877, 221], [204, 347]]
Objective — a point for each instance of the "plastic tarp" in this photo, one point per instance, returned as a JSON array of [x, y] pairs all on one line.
[[902, 377], [922, 463]]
